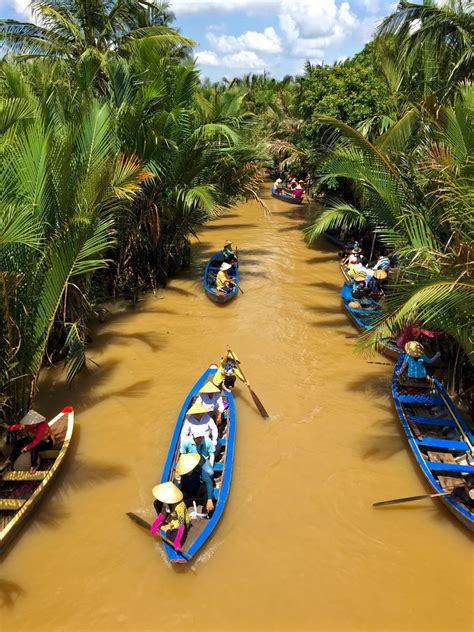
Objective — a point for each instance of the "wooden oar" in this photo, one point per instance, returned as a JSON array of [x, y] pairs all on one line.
[[240, 288], [409, 499], [258, 403], [147, 526]]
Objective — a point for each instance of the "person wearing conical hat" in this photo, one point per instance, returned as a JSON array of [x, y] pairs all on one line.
[[172, 513], [229, 255], [278, 185], [228, 371], [374, 284], [211, 398], [198, 443], [416, 360], [196, 480], [198, 417], [40, 437], [382, 263], [224, 283]]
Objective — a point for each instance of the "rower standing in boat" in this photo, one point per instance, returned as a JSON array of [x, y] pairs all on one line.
[[172, 511], [198, 416], [228, 371], [40, 437], [415, 359], [229, 255], [224, 283], [196, 480]]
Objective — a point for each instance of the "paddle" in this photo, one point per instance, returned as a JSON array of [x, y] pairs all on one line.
[[409, 499], [240, 288], [258, 403], [146, 525]]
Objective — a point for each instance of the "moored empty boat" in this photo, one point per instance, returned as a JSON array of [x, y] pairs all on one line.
[[440, 440], [210, 275], [21, 490]]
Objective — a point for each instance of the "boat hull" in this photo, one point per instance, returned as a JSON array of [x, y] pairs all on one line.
[[210, 273], [284, 197], [12, 522], [445, 411], [203, 527]]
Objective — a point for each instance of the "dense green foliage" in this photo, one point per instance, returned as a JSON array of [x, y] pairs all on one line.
[[111, 155]]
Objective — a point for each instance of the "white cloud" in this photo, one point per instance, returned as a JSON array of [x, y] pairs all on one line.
[[245, 59], [311, 27], [181, 7], [207, 58], [266, 42]]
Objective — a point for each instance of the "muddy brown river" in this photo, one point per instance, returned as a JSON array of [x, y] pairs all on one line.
[[300, 546]]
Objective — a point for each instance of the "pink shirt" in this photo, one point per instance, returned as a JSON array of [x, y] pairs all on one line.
[[42, 432]]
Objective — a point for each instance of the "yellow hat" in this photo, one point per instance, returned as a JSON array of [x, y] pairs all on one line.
[[167, 492], [414, 349], [187, 462], [360, 276], [354, 304], [380, 275], [228, 243], [197, 409], [209, 387]]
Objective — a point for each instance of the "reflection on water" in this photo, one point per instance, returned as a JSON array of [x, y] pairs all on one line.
[[300, 546]]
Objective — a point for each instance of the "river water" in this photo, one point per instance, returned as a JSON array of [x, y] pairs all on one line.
[[299, 546]]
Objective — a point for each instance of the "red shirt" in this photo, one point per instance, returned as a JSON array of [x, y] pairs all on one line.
[[41, 431]]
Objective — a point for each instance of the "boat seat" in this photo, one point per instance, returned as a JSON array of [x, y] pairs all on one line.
[[215, 493], [428, 400], [23, 475], [49, 454], [218, 467], [11, 504], [449, 482], [449, 467], [443, 444], [441, 457], [434, 421]]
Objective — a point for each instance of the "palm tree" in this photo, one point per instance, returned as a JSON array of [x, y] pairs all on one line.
[[89, 30]]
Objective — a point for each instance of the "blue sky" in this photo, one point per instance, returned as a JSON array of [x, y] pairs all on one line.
[[240, 36]]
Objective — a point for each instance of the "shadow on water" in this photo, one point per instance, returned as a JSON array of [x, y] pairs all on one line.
[[322, 259], [329, 322], [255, 251], [325, 309], [9, 593], [221, 227], [325, 285], [149, 338], [179, 290]]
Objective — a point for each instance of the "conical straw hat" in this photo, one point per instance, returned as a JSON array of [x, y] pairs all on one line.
[[354, 304], [232, 356], [187, 462], [360, 276], [228, 243], [209, 387], [31, 418], [196, 409], [414, 349], [167, 493], [225, 266], [380, 275]]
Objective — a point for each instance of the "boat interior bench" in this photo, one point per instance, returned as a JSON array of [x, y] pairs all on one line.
[[11, 504], [22, 475], [449, 467], [443, 444], [434, 421]]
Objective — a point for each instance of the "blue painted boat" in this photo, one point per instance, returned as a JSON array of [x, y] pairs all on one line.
[[202, 528], [210, 274], [333, 237], [437, 436], [286, 197], [363, 318]]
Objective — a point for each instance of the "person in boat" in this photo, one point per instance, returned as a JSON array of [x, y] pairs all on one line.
[[298, 191], [227, 372], [359, 285], [172, 513], [382, 263], [198, 443], [229, 255], [195, 480], [415, 361], [465, 493], [353, 261], [198, 417], [210, 397], [278, 186], [39, 436], [375, 282], [224, 283]]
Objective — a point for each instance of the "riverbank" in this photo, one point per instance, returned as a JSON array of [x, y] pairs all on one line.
[[300, 546]]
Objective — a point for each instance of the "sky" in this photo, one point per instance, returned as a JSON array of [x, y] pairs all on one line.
[[235, 37]]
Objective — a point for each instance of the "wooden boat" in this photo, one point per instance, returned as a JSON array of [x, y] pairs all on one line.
[[21, 490], [363, 318], [286, 197], [202, 528], [438, 437], [333, 237], [210, 274]]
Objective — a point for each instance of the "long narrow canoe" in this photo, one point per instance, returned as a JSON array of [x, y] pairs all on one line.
[[363, 319], [437, 435], [202, 528], [333, 237], [210, 274], [286, 197], [21, 490]]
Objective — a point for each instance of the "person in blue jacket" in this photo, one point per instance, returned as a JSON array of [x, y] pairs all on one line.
[[415, 361]]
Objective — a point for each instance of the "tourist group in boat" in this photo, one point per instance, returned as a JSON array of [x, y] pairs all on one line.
[[195, 483]]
